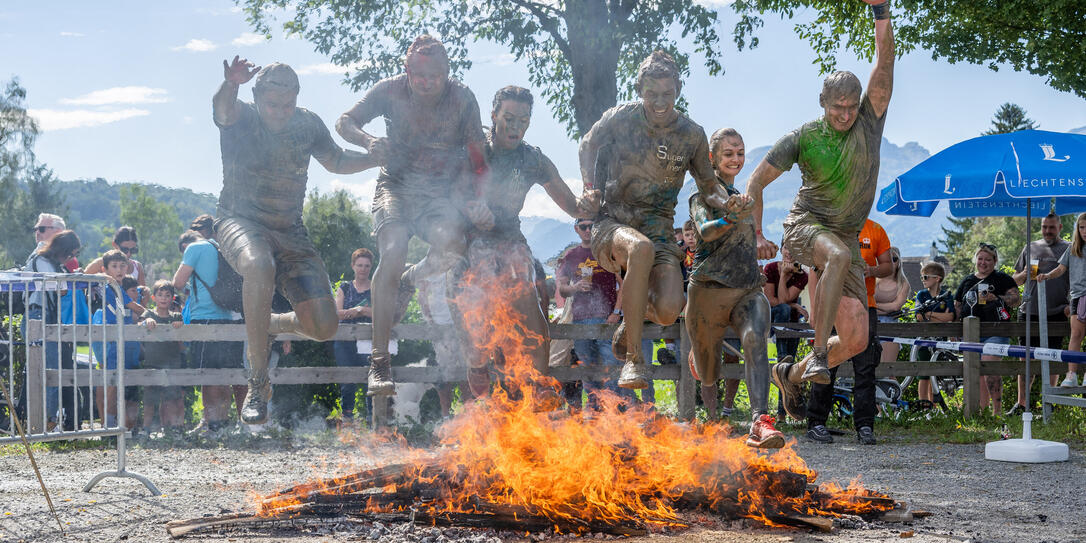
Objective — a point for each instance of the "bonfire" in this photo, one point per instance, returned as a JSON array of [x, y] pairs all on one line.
[[507, 462]]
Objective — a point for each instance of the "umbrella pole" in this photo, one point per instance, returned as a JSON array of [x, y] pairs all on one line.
[[1027, 449]]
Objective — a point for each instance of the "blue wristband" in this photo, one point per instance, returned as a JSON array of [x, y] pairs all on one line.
[[719, 222]]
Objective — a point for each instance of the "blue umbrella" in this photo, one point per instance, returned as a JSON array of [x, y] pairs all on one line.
[[1014, 174]]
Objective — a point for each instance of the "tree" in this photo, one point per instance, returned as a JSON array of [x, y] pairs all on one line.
[[1043, 38], [29, 188], [157, 225], [583, 54], [337, 226], [1010, 118]]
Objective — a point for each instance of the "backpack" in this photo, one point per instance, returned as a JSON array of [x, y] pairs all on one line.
[[226, 292]]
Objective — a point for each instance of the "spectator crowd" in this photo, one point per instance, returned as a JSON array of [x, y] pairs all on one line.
[[585, 293]]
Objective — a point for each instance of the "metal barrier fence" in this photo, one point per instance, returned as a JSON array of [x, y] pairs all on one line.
[[65, 361]]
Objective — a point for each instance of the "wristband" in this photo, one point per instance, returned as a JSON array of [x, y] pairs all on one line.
[[718, 222], [616, 312], [881, 11]]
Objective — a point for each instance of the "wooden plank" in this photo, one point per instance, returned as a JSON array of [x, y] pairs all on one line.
[[436, 374]]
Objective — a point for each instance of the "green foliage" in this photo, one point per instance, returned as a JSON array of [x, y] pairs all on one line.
[[583, 55], [1044, 39], [29, 188], [1010, 118], [337, 226], [157, 226]]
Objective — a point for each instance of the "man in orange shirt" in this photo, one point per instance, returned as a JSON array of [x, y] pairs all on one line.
[[875, 250]]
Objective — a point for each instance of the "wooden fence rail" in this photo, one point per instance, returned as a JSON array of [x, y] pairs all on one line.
[[970, 366]]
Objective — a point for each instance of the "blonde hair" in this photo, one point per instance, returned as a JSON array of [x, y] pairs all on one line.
[[1076, 238], [899, 274]]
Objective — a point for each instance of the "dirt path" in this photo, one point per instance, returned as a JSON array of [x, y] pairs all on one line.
[[971, 499]]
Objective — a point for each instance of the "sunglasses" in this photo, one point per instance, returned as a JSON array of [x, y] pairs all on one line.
[[988, 246], [584, 227], [129, 250], [43, 229], [925, 277]]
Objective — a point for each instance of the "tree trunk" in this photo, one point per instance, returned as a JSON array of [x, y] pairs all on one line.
[[594, 49]]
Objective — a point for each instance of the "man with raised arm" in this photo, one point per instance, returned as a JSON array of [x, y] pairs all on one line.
[[266, 146], [838, 156], [638, 154], [433, 172]]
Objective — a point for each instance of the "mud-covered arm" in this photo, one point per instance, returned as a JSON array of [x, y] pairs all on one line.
[[585, 207], [701, 169], [349, 125], [224, 104], [881, 84], [597, 136], [763, 175]]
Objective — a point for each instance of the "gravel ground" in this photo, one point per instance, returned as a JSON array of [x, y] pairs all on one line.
[[971, 499]]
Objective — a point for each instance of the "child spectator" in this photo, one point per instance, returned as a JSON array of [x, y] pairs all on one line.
[[115, 265], [934, 303], [169, 400]]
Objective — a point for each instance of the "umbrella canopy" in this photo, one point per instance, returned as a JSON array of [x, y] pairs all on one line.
[[1014, 174]]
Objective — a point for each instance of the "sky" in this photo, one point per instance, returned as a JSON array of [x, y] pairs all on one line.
[[122, 90]]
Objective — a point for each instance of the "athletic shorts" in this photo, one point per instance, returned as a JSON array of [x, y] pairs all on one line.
[[799, 238], [420, 213], [153, 395], [216, 354], [299, 271], [603, 238]]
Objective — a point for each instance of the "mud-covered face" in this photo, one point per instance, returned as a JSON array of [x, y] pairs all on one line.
[[511, 121], [275, 107], [658, 97], [729, 157], [841, 110], [427, 75], [361, 267]]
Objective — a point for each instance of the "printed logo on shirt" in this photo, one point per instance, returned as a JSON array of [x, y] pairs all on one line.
[[865, 243]]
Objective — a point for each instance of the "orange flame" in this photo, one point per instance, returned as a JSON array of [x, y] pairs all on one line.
[[620, 464]]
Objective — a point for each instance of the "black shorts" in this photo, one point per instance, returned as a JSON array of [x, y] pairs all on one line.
[[216, 354], [1054, 342]]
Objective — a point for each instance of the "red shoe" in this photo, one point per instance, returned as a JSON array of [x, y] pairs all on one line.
[[763, 435]]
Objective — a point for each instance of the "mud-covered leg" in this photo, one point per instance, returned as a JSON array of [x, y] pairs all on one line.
[[751, 318], [392, 243]]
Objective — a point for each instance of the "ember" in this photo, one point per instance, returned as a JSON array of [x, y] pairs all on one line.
[[507, 464]]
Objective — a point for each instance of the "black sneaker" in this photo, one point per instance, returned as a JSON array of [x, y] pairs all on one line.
[[819, 434], [865, 435], [795, 401]]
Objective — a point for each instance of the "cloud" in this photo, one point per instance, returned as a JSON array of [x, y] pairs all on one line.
[[504, 59], [328, 68], [539, 204], [247, 39], [363, 190], [119, 95], [324, 68], [72, 34], [54, 119], [196, 45]]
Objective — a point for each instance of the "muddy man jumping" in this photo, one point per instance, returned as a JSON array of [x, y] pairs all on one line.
[[838, 157]]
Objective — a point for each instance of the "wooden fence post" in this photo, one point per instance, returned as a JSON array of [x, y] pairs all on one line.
[[34, 399], [971, 369], [685, 387]]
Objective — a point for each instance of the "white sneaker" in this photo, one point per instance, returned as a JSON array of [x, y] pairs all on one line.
[[1070, 381]]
